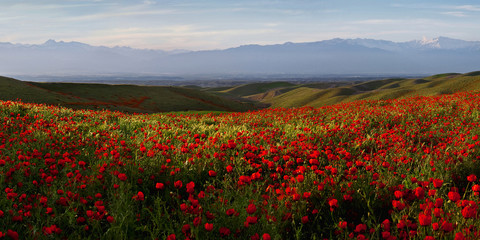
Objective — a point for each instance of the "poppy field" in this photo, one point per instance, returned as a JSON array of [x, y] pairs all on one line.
[[387, 169]]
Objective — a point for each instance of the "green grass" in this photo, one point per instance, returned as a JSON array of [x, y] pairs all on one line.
[[444, 75], [255, 88], [12, 89], [476, 73], [125, 98], [378, 90]]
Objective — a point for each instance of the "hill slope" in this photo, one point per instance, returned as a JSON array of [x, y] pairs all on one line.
[[126, 98], [304, 95]]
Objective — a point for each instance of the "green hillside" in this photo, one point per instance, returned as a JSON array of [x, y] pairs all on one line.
[[150, 99], [377, 90], [126, 98], [256, 88]]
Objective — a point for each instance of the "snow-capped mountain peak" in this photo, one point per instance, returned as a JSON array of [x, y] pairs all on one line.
[[432, 43], [335, 56]]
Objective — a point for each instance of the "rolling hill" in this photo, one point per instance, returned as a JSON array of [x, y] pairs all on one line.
[[152, 99], [125, 98], [322, 94]]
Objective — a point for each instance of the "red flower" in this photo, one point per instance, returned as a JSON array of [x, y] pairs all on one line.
[[230, 212], [197, 221], [398, 205], [80, 220], [447, 227], [212, 173], [224, 231], [306, 195], [122, 177], [208, 226], [424, 220], [252, 219], [360, 228], [190, 187], [139, 197], [386, 225], [251, 209], [186, 229], [266, 236], [469, 211], [459, 236], [159, 186], [472, 178], [305, 219], [454, 196], [178, 184], [296, 197], [419, 193], [437, 183], [333, 203], [300, 178], [398, 194], [12, 234], [110, 219]]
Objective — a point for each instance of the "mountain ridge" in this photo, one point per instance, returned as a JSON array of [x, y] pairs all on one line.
[[334, 56], [437, 42]]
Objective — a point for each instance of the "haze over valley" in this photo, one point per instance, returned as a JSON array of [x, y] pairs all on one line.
[[329, 57]]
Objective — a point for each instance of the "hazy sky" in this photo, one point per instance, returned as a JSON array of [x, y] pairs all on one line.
[[219, 24]]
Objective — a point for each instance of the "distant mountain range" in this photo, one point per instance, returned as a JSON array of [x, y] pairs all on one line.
[[335, 56]]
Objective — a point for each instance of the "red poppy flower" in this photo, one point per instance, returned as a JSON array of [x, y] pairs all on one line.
[[454, 196], [424, 220], [251, 209], [208, 226], [159, 186], [472, 178], [437, 183], [178, 184], [305, 219], [122, 176]]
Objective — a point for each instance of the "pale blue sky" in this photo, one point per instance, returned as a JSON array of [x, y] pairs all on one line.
[[219, 24]]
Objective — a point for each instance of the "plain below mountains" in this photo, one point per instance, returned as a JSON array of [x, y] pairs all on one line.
[[335, 56]]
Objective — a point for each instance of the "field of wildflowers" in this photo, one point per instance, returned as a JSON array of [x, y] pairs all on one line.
[[392, 169]]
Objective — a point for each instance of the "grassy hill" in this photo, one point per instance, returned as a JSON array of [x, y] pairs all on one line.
[[125, 98], [304, 95], [149, 99], [256, 88]]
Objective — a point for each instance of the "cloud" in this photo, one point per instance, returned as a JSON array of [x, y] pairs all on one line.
[[455, 14], [104, 15], [453, 8], [170, 37], [375, 21], [149, 2], [468, 8]]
